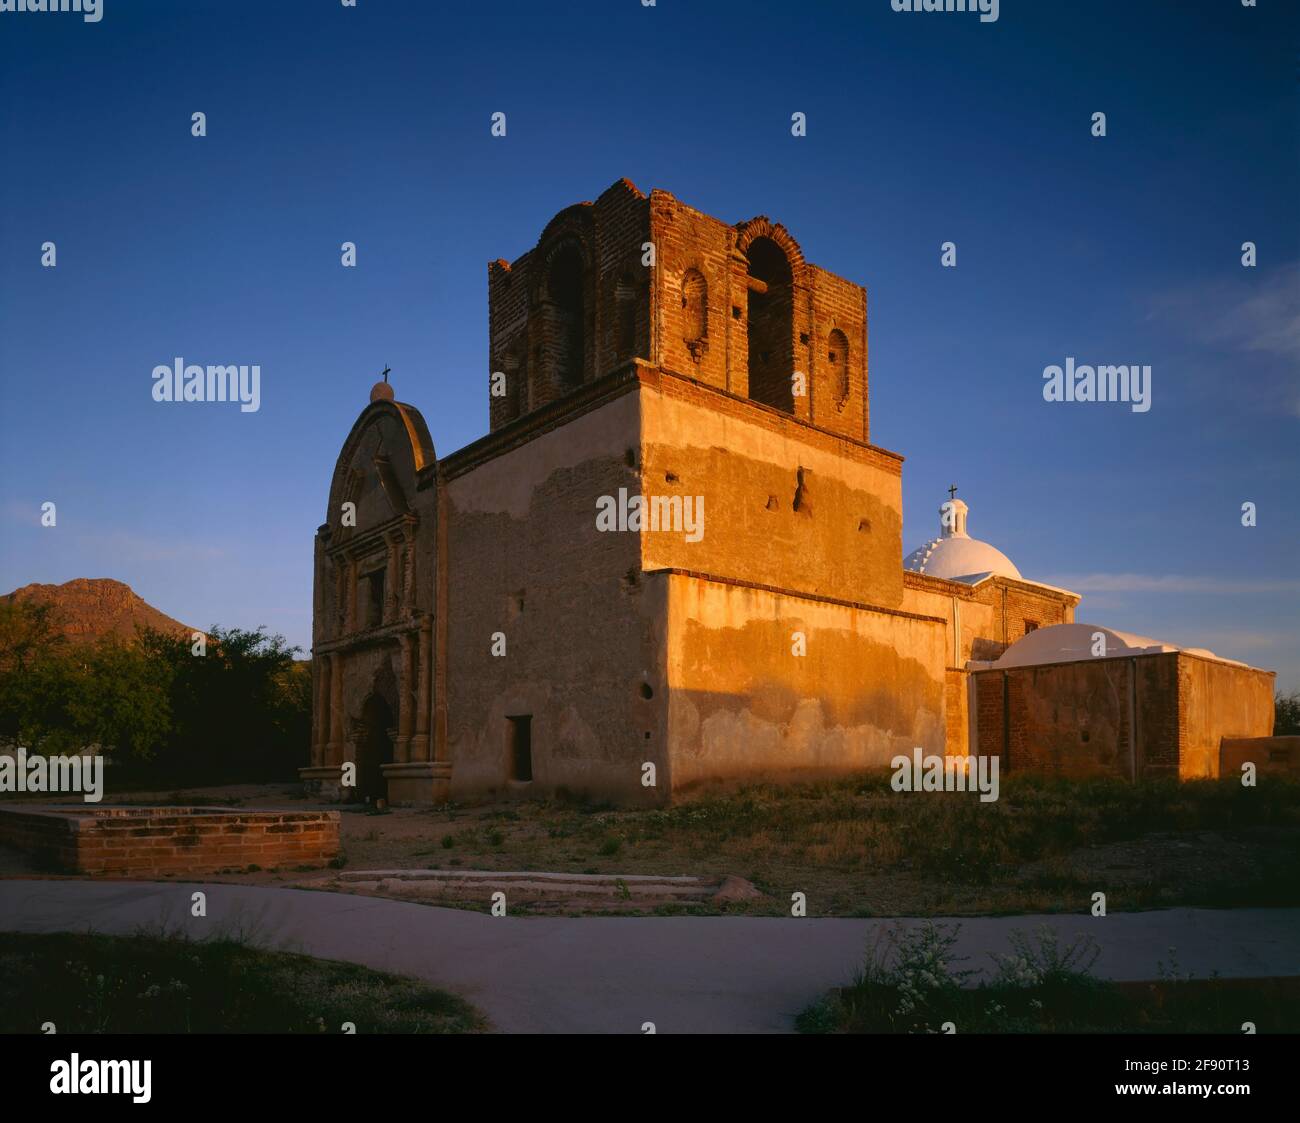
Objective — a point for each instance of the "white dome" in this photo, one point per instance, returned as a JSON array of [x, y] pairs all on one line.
[[954, 558], [955, 554], [1070, 643]]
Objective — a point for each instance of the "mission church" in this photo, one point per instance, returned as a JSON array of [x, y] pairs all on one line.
[[478, 635]]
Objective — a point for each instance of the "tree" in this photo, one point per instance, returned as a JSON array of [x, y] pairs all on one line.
[[1286, 714], [28, 633]]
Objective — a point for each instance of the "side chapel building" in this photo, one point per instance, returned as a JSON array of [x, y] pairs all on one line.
[[476, 634]]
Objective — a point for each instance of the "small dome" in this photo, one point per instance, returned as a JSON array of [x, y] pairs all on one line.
[[1071, 643], [955, 555], [381, 392]]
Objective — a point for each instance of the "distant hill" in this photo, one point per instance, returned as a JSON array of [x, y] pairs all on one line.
[[89, 608]]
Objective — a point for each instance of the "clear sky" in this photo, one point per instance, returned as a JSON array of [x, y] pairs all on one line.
[[371, 124]]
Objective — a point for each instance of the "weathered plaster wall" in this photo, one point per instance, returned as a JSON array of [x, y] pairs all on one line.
[[743, 706], [784, 504], [583, 630], [1218, 700]]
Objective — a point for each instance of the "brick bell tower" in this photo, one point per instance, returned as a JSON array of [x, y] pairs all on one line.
[[643, 279]]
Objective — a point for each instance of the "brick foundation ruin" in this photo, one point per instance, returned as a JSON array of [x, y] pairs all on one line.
[[156, 841]]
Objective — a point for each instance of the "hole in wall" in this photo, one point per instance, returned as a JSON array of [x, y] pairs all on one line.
[[647, 691], [801, 503]]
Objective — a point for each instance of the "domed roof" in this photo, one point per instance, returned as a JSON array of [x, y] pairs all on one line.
[[1070, 643], [957, 556]]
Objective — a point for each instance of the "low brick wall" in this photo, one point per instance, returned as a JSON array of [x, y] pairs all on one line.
[[1270, 755], [152, 841]]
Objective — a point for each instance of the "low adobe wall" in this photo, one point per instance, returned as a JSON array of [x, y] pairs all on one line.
[[1270, 755], [152, 841]]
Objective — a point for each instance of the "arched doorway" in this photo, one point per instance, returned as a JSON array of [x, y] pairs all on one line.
[[374, 748]]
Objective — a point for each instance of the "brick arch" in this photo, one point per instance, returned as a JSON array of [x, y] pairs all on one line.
[[764, 227], [573, 224]]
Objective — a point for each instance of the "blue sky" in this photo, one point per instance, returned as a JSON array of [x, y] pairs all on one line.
[[371, 124]]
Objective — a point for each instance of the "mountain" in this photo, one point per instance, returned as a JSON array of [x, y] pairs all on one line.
[[89, 608]]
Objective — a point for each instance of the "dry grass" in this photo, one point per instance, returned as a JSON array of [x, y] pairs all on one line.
[[856, 847]]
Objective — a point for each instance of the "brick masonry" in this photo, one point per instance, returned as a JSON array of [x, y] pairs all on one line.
[[1165, 714], [160, 841]]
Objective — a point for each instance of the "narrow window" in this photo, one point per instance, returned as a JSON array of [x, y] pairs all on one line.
[[695, 311], [566, 319], [374, 584], [625, 297], [1030, 626], [837, 355], [520, 729]]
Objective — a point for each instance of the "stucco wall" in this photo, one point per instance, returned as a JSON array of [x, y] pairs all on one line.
[[1218, 700], [583, 629], [742, 705], [784, 504]]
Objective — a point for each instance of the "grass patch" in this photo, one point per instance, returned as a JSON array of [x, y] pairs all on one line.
[[911, 983], [147, 984], [856, 847]]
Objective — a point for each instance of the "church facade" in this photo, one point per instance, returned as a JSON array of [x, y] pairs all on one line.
[[676, 557]]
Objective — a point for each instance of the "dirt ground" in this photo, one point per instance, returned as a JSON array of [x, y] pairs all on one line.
[[842, 846]]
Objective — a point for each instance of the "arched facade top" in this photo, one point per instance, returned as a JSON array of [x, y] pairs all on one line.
[[419, 444], [764, 227]]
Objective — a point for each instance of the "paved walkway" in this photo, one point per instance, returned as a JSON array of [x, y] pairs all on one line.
[[611, 974]]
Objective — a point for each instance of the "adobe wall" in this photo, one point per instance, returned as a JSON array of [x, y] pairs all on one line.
[[981, 621], [1272, 756], [1217, 701], [1075, 718], [784, 504], [743, 706], [583, 629], [1069, 719]]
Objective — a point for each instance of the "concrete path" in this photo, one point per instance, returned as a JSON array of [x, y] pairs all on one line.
[[611, 974]]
